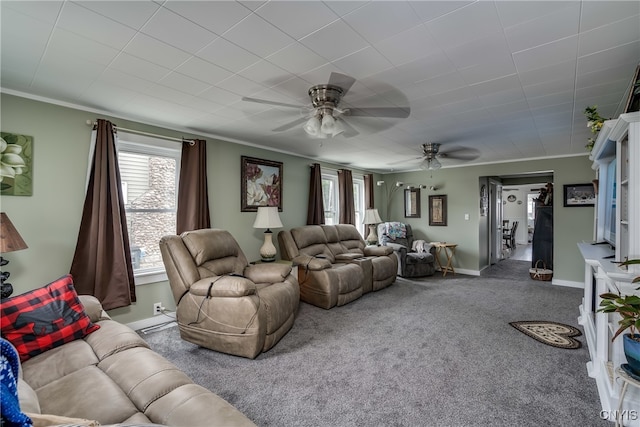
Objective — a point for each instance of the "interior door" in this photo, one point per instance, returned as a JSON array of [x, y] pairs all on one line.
[[495, 221]]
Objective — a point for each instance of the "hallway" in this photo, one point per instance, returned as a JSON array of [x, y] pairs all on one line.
[[522, 252]]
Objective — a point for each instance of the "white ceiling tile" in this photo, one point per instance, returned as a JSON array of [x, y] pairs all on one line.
[[596, 13], [488, 70], [430, 10], [241, 86], [64, 43], [334, 41], [517, 12], [114, 77], [556, 71], [618, 55], [466, 24], [545, 55], [177, 31], [480, 50], [550, 100], [46, 11], [609, 36], [201, 104], [166, 92], [265, 73], [258, 36], [342, 7], [364, 62], [297, 59], [156, 51], [203, 71], [549, 87], [278, 13], [139, 67], [442, 83], [131, 13], [616, 72], [219, 95], [183, 83], [406, 46], [96, 27], [227, 55], [545, 29], [216, 16], [106, 97], [378, 21]]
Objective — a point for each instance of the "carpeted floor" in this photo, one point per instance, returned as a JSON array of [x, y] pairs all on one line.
[[428, 352]]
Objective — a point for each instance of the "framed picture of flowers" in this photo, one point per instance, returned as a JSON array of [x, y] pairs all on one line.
[[261, 184], [16, 152]]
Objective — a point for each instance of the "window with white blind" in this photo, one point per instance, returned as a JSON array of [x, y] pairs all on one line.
[[149, 174], [331, 201]]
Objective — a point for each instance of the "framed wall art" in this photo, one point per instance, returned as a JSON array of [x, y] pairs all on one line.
[[438, 210], [261, 184], [412, 203], [17, 164], [578, 195]]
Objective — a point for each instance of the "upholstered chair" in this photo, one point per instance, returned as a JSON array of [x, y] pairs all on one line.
[[416, 258], [222, 302]]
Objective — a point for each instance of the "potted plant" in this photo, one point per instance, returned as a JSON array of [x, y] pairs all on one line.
[[628, 307]]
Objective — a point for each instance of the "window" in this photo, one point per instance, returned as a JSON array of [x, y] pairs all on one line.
[[149, 179], [331, 202]]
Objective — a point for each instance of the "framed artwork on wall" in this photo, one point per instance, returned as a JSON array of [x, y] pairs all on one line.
[[17, 164], [260, 184], [412, 203], [438, 210], [578, 195]]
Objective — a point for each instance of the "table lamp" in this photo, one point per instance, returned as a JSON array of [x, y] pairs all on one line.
[[268, 218], [10, 241], [372, 217]]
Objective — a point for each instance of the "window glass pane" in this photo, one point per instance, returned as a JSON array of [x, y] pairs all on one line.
[[329, 199], [149, 189]]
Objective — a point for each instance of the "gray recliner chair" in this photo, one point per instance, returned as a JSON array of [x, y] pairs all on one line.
[[222, 302], [414, 260]]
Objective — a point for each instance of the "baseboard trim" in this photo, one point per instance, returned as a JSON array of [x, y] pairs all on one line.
[[152, 321], [567, 283]]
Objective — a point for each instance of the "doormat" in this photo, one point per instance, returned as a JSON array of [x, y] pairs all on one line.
[[550, 333]]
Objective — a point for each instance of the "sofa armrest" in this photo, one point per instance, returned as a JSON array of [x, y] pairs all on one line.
[[267, 273], [93, 308], [378, 250], [348, 256], [223, 286], [312, 263]]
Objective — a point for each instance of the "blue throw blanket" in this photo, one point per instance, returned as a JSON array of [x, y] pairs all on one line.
[[12, 416], [396, 230]]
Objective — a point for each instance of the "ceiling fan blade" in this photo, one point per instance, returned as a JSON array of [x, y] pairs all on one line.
[[396, 112], [341, 80], [413, 159], [265, 101], [460, 153], [349, 131], [289, 125]]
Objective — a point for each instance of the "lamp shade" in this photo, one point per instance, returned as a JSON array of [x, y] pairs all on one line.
[[371, 216], [267, 217], [312, 126], [10, 239]]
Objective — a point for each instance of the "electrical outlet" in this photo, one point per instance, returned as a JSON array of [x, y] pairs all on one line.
[[157, 308]]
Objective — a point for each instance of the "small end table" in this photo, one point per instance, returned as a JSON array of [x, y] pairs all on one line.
[[449, 250], [626, 379]]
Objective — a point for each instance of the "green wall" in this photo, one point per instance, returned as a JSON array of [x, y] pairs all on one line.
[[461, 185], [49, 220]]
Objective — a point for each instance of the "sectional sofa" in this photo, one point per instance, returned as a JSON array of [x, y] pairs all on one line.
[[335, 266]]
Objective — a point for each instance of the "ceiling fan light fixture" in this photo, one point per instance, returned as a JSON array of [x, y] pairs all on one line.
[[312, 126], [338, 127], [434, 164], [328, 124]]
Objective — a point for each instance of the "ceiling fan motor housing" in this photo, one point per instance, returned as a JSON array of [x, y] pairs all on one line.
[[430, 149], [325, 95]]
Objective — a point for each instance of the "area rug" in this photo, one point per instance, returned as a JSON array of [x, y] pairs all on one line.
[[550, 333]]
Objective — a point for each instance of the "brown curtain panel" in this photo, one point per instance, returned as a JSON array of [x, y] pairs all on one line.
[[368, 191], [315, 209], [345, 196], [193, 197], [102, 261]]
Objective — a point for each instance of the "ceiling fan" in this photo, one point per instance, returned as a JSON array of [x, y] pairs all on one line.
[[326, 116], [432, 152]]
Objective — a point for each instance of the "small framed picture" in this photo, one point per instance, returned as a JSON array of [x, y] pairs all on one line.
[[412, 203], [438, 210], [260, 184], [578, 195]]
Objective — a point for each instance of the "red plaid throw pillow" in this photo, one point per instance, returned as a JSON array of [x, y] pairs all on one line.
[[44, 318]]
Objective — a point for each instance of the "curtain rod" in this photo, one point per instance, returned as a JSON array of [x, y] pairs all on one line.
[[154, 135]]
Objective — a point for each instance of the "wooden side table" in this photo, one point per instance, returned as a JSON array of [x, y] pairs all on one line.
[[449, 250]]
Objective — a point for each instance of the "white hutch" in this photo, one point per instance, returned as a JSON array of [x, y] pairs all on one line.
[[616, 160]]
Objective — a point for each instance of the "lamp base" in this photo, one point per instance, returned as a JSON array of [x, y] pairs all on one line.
[[372, 238], [267, 251]]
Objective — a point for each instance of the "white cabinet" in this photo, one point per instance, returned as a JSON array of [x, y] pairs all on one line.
[[616, 157]]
